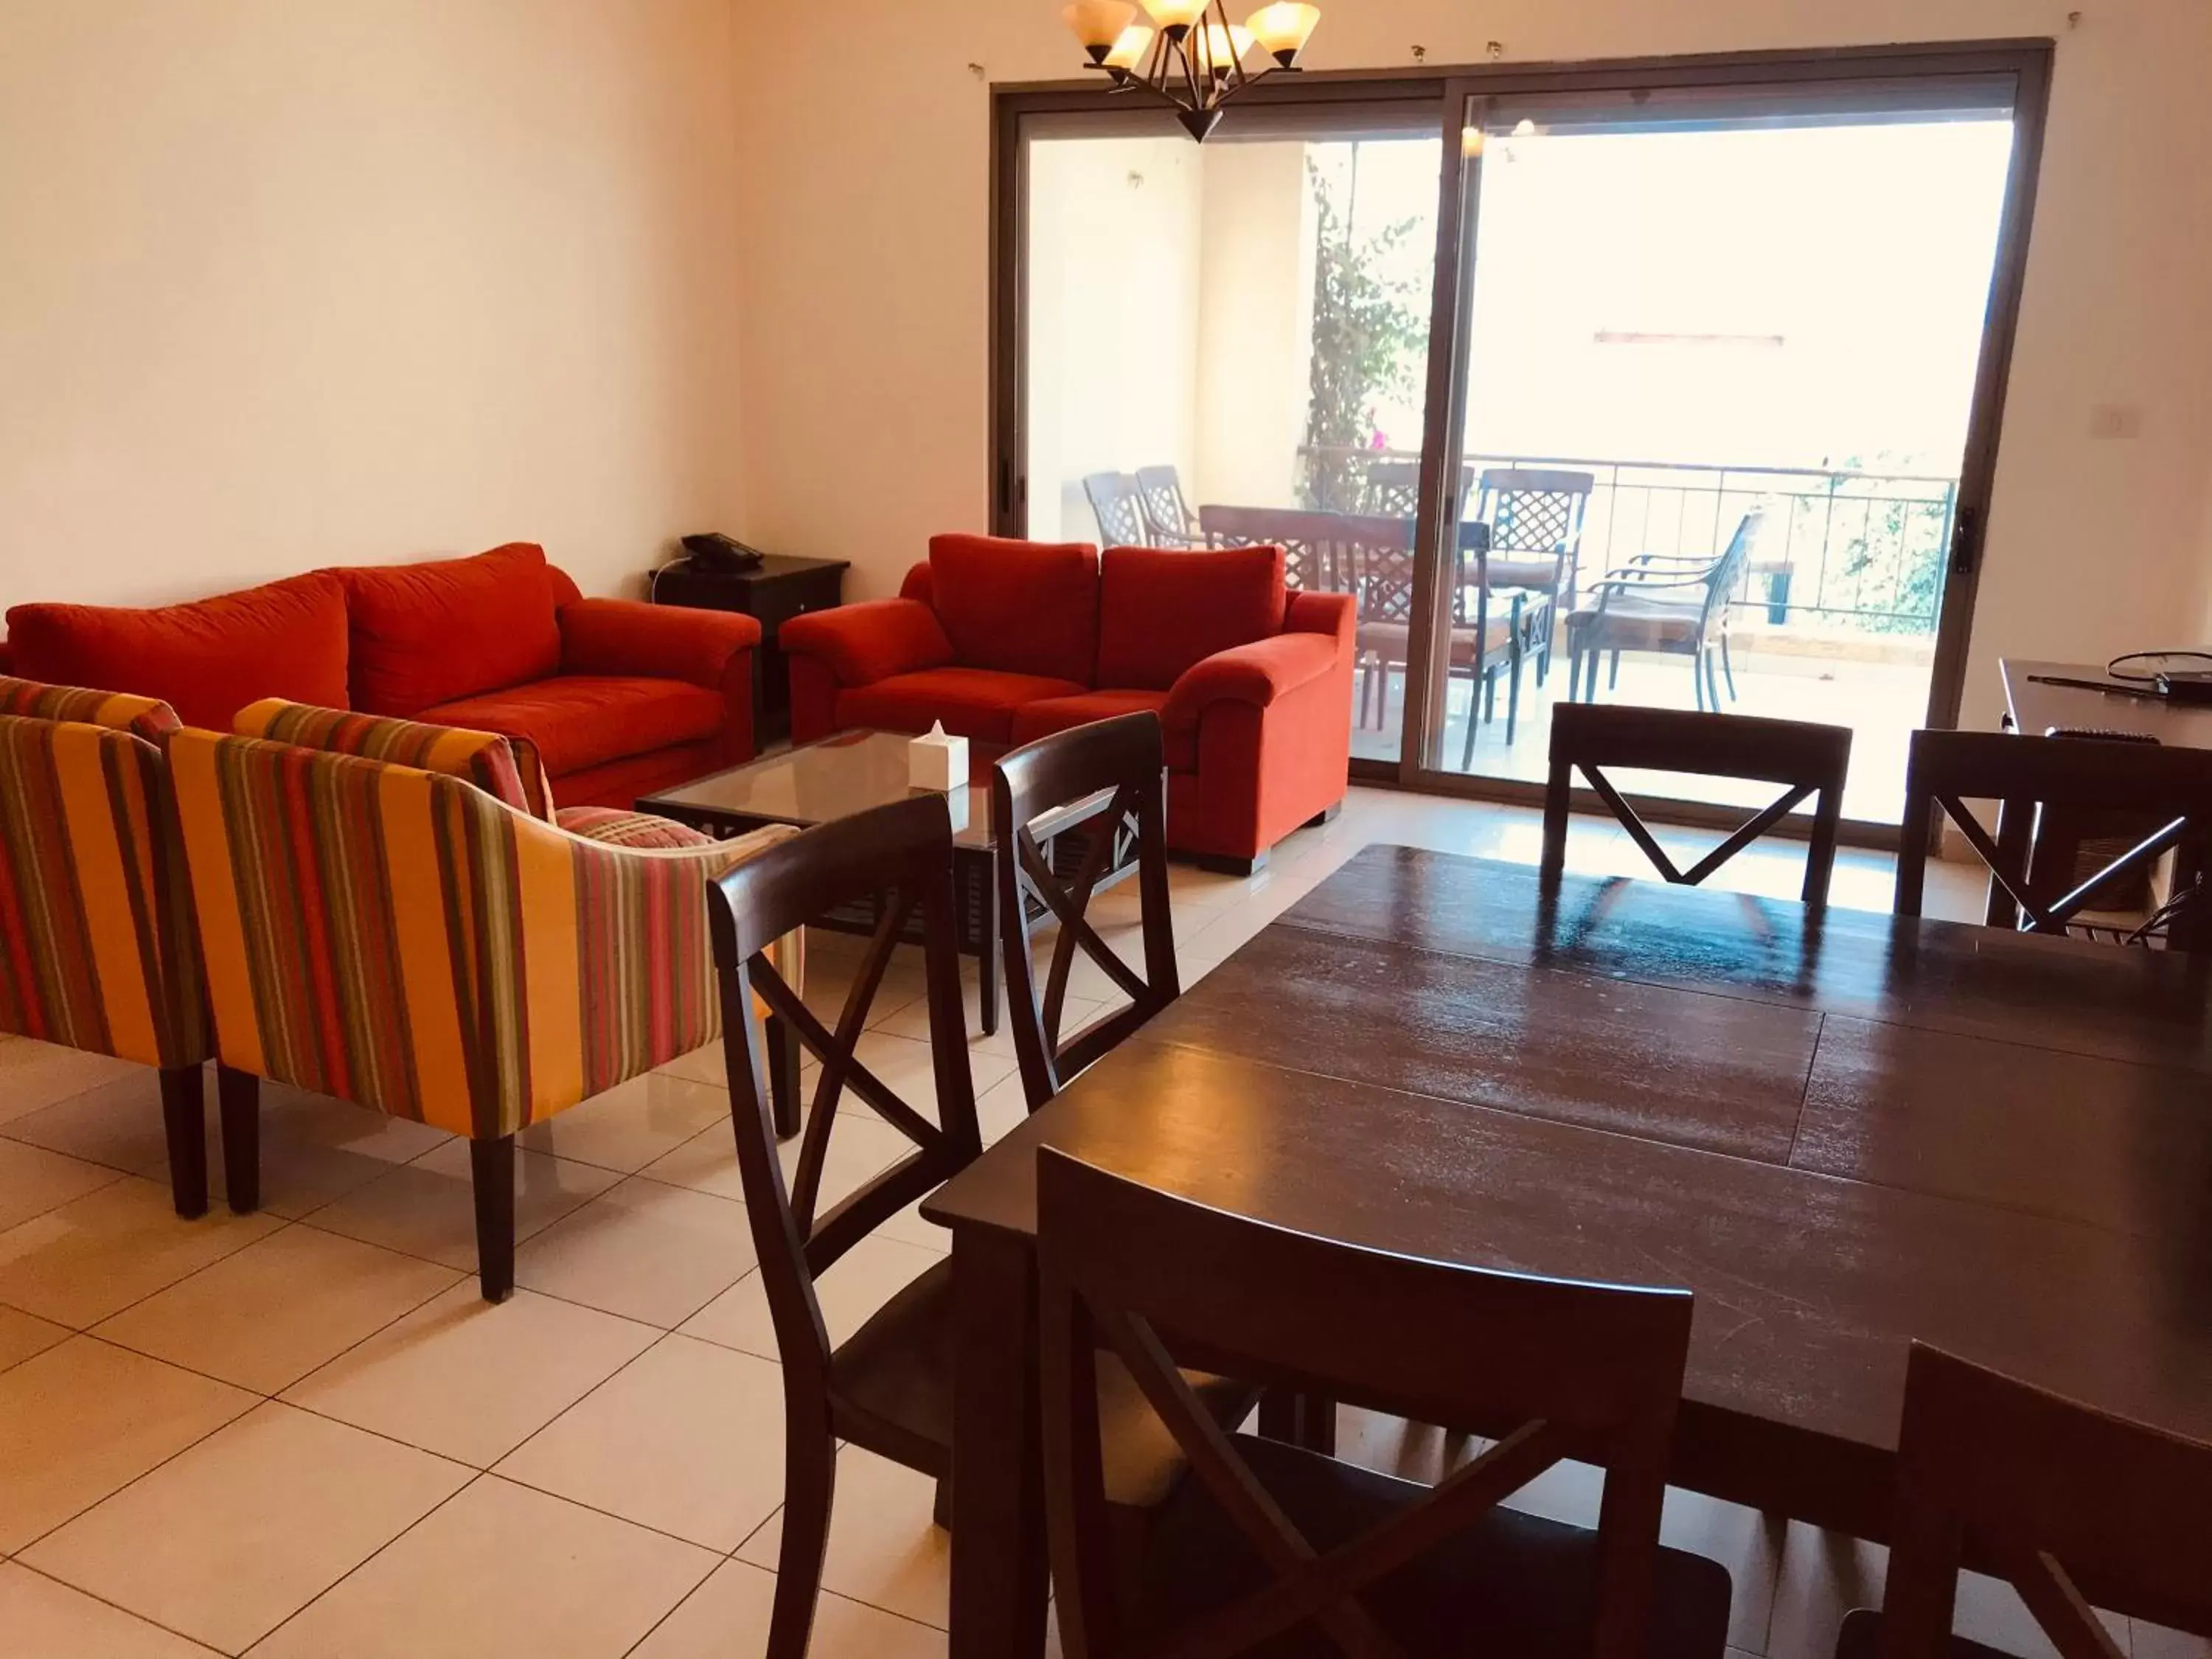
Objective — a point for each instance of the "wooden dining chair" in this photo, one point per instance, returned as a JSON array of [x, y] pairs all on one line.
[[2072, 1507], [1807, 759], [1274, 1549], [2034, 883], [1107, 780], [887, 1389]]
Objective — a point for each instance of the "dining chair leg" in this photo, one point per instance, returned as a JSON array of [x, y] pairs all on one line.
[[1727, 667], [1467, 748], [810, 1484], [491, 1175], [1612, 675], [1513, 695], [1712, 681], [238, 1099], [1367, 689], [184, 1126], [1698, 677]]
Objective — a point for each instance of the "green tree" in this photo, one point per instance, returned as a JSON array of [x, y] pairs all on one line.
[[1370, 334]]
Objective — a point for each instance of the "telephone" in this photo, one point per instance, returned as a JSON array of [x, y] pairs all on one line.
[[723, 555]]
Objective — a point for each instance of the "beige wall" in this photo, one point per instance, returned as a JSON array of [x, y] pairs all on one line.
[[864, 318], [285, 283]]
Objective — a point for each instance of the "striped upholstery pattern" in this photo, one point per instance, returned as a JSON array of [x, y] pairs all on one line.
[[612, 827], [119, 711], [397, 938], [506, 768], [96, 940]]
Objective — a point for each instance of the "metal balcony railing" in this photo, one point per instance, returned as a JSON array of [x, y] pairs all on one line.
[[1846, 551]]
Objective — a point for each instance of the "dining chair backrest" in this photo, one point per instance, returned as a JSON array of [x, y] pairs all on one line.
[[1726, 573], [2076, 1508], [1555, 1368], [1532, 509], [1168, 517], [2030, 777], [1809, 760], [1106, 780], [1323, 552], [900, 858], [1392, 489], [1118, 506]]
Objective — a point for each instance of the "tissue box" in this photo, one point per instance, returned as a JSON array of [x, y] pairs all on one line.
[[937, 760]]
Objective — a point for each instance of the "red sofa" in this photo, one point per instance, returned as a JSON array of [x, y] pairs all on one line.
[[1006, 641], [621, 699]]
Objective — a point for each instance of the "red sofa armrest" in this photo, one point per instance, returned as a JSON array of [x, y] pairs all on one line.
[[654, 641], [1257, 674], [1323, 613], [860, 644], [709, 648]]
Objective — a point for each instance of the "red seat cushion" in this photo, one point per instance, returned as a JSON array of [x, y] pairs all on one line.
[[206, 659], [973, 702], [1042, 720], [1160, 612], [1018, 607], [429, 633], [580, 721]]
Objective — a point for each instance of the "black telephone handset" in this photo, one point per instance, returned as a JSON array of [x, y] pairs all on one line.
[[724, 554]]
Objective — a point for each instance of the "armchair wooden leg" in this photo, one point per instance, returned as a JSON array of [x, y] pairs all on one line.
[[491, 1173], [184, 1126], [238, 1098]]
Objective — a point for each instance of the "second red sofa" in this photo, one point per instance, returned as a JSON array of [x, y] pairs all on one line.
[[1008, 641], [621, 699]]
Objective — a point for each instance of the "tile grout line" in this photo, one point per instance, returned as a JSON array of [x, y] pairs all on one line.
[[95, 1596]]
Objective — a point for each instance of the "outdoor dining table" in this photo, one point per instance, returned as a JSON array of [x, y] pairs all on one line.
[[1842, 1130]]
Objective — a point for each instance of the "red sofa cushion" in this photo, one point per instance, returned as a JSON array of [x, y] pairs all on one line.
[[1018, 607], [973, 702], [429, 633], [208, 659], [1161, 612], [1041, 719], [581, 720]]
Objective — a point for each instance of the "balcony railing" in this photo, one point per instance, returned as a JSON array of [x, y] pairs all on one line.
[[1847, 551]]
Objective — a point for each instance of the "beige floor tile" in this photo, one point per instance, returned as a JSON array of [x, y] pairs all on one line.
[[428, 1208], [860, 1282], [267, 1316], [313, 1149], [42, 1620], [633, 1123], [729, 1614], [34, 1075], [644, 1249], [2156, 1641], [230, 1538], [687, 1438], [34, 1181], [21, 1335], [466, 1379], [500, 1570], [705, 1065], [883, 1549], [860, 1145], [83, 1419], [100, 1253]]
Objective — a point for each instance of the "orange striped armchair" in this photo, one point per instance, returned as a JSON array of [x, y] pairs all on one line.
[[97, 948], [401, 939]]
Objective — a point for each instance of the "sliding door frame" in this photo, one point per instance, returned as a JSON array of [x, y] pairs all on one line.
[[1447, 90]]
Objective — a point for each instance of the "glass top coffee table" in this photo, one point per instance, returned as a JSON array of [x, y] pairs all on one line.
[[854, 771]]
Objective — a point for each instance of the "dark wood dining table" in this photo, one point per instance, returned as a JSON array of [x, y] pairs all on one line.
[[1841, 1130]]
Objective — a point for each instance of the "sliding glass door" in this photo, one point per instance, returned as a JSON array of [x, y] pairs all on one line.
[[1674, 383], [1718, 357]]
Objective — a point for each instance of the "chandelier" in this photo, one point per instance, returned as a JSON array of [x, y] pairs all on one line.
[[1190, 54]]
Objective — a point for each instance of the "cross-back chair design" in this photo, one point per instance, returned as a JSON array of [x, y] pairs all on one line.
[[2074, 1508], [1276, 1549], [1118, 503], [1535, 516], [1111, 775], [875, 1389], [2032, 887], [1809, 761], [1168, 517], [1674, 605]]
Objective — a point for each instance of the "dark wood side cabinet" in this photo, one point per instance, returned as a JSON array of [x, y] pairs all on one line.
[[772, 594]]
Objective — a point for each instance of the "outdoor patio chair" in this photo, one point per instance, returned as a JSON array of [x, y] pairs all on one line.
[[1672, 605], [1167, 518], [1119, 505]]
